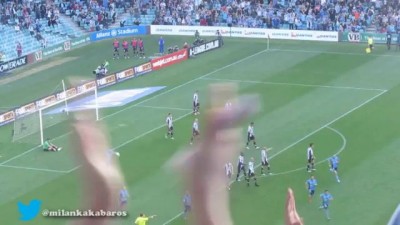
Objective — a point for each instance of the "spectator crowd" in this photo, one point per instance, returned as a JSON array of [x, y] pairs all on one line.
[[93, 14], [332, 15], [27, 15]]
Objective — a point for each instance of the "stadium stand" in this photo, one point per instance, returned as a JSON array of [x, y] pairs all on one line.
[[34, 25], [93, 15], [337, 15], [39, 24]]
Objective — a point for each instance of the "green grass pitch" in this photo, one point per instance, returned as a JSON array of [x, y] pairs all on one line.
[[331, 94]]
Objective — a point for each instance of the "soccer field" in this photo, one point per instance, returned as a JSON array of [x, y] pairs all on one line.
[[331, 94]]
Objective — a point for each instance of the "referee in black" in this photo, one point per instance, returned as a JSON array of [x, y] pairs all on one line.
[[388, 40]]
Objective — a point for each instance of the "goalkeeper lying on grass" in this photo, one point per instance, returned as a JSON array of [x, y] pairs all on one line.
[[48, 146]]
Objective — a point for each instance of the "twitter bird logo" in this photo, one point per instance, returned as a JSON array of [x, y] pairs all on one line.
[[29, 212]]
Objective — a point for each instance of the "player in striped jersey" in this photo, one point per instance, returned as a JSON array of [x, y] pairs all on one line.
[[251, 173], [240, 167], [333, 165], [196, 104], [264, 160], [251, 136], [310, 158], [170, 127], [229, 173], [195, 130]]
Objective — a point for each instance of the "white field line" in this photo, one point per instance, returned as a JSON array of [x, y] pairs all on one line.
[[148, 99], [19, 155], [137, 137], [36, 169], [34, 148], [341, 149], [294, 84], [332, 52], [324, 126], [189, 82], [307, 136], [162, 107], [173, 218]]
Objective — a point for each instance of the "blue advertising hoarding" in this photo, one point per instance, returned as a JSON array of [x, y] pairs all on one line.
[[119, 32]]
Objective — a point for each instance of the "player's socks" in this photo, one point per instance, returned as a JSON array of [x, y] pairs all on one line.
[[337, 178], [262, 170], [327, 214], [255, 182]]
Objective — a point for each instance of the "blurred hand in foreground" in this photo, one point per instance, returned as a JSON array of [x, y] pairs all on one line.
[[200, 166], [102, 178], [219, 144], [291, 215]]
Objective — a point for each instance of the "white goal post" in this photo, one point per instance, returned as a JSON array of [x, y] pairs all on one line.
[[52, 113]]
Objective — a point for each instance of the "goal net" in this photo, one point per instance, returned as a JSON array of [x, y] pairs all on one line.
[[50, 119]]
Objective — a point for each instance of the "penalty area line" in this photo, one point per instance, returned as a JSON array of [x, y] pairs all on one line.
[[33, 168], [310, 134], [153, 97], [341, 149], [137, 137], [295, 84]]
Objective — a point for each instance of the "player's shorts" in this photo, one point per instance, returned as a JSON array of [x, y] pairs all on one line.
[[170, 128], [229, 174], [115, 49], [310, 160], [141, 49], [134, 48], [196, 104], [325, 205], [335, 168], [188, 208], [195, 132], [240, 167], [250, 137], [311, 192], [125, 50], [389, 41], [124, 202], [265, 163], [250, 173], [371, 46], [46, 149]]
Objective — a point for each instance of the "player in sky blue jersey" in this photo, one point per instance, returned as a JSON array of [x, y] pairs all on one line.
[[334, 164], [326, 198], [187, 205], [123, 196], [311, 185]]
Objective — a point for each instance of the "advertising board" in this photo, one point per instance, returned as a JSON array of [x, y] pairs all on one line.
[[169, 59], [118, 32]]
